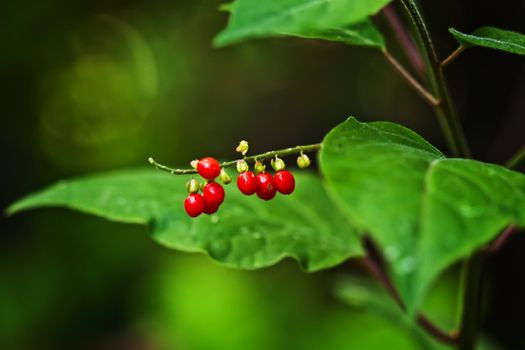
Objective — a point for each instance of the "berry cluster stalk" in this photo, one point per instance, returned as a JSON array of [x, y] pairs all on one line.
[[250, 159]]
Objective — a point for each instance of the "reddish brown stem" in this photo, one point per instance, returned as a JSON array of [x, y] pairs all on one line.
[[500, 241], [404, 39], [372, 262]]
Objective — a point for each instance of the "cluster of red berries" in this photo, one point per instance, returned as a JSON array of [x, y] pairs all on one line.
[[264, 184], [212, 192], [261, 182]]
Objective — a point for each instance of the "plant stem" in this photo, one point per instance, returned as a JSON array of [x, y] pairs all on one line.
[[404, 39], [427, 96], [262, 156], [502, 238], [449, 122], [518, 160], [472, 285], [452, 56], [445, 111], [371, 261]]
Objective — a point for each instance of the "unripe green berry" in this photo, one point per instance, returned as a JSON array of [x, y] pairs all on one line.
[[194, 163], [192, 186], [259, 167], [303, 161], [243, 147], [225, 178], [242, 166], [278, 164]]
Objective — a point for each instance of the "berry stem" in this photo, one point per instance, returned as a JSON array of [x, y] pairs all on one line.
[[250, 159]]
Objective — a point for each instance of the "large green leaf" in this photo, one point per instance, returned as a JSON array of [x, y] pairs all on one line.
[[424, 210], [364, 33], [339, 20], [246, 233], [494, 38]]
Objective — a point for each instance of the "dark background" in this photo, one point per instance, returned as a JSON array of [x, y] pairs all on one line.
[[90, 86]]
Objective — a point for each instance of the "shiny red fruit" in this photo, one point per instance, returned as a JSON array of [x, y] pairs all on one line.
[[284, 181], [194, 205], [209, 168], [246, 183], [265, 186], [210, 209], [213, 195]]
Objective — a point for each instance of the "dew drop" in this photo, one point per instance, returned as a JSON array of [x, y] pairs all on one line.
[[392, 252], [470, 211], [219, 249], [406, 265]]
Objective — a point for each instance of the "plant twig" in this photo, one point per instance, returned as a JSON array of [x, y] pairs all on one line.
[[445, 111], [452, 56], [500, 241], [404, 39], [372, 262], [472, 287], [431, 328], [518, 160], [449, 122], [426, 95], [262, 156]]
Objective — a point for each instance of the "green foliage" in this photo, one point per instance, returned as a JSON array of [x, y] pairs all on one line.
[[424, 210], [246, 233], [494, 38], [336, 20], [364, 33]]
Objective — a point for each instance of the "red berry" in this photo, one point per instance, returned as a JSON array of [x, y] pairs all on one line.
[[210, 209], [194, 205], [265, 186], [209, 168], [213, 195], [246, 183], [284, 181]]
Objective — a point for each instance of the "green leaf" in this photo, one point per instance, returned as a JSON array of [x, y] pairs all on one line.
[[424, 210], [321, 19], [494, 38], [361, 34], [246, 233]]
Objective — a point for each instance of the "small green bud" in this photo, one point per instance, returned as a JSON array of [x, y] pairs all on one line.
[[192, 186], [194, 163], [243, 147], [259, 167], [225, 178], [278, 164], [303, 161], [242, 166], [202, 185]]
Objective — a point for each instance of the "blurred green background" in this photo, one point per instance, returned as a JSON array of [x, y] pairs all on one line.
[[89, 86]]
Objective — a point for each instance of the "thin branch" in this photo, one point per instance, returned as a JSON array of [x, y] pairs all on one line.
[[447, 338], [500, 241], [372, 262], [446, 111], [452, 56], [377, 271], [404, 39], [517, 161], [262, 156], [472, 289], [424, 93]]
